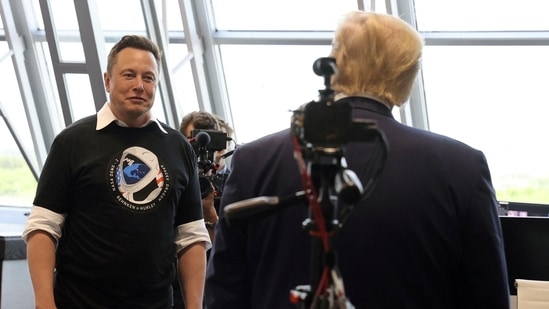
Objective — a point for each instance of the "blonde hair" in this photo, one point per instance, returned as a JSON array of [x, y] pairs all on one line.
[[376, 54]]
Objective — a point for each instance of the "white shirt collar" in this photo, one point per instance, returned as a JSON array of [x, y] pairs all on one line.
[[105, 117]]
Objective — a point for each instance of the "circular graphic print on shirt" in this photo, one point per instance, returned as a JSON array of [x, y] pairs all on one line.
[[137, 179]]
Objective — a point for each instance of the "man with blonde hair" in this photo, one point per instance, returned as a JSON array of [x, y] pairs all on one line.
[[377, 56], [427, 236]]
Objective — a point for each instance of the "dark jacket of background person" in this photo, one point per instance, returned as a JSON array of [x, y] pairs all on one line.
[[428, 236]]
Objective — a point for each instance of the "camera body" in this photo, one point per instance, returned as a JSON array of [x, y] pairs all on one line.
[[324, 127], [323, 124], [216, 140], [205, 143]]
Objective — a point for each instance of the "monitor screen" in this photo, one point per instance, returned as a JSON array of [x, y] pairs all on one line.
[[526, 241], [525, 209]]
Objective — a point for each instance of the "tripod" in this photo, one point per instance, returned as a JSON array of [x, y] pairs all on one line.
[[321, 129], [327, 289]]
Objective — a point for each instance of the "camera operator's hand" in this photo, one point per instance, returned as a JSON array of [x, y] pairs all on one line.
[[210, 214], [219, 161]]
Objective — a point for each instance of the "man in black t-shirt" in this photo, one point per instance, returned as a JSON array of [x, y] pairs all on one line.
[[118, 199]]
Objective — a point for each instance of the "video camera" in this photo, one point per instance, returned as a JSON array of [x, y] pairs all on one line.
[[205, 143], [326, 126]]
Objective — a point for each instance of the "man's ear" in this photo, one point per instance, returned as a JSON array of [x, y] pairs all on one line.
[[107, 81]]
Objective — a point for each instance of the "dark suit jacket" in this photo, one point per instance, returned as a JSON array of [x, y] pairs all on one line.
[[427, 237]]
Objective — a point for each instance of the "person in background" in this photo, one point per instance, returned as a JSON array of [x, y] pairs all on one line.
[[201, 120], [207, 121], [219, 158], [427, 236], [118, 200], [198, 120]]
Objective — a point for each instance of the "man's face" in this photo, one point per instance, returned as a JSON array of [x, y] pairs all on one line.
[[132, 85]]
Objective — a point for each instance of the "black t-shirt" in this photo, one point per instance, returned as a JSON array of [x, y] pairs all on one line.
[[124, 191]]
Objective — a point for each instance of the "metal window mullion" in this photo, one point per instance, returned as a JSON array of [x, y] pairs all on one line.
[[273, 37], [213, 64], [486, 38], [72, 68], [362, 6], [16, 52], [29, 79], [53, 43], [94, 48], [196, 48], [155, 32], [414, 113]]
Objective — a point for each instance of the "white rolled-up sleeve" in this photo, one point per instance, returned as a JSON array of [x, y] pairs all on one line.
[[43, 219], [190, 233]]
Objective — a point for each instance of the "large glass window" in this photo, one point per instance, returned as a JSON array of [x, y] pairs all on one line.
[[482, 15], [50, 85], [80, 95], [17, 183], [490, 97], [63, 15], [266, 83], [122, 16], [182, 78], [281, 15], [493, 98]]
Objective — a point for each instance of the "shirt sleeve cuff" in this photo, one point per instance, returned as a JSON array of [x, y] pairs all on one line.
[[41, 218], [190, 233]]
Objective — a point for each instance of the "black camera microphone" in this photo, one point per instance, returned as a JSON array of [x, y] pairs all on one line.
[[260, 206], [325, 66], [202, 139]]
